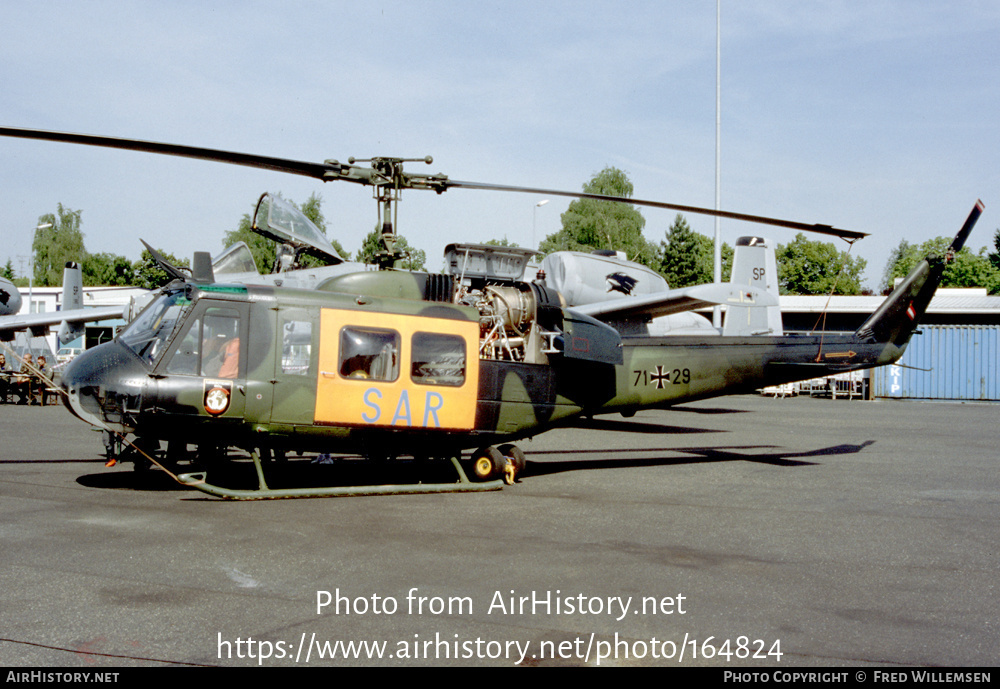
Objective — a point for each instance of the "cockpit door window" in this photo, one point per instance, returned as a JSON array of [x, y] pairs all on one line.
[[211, 346]]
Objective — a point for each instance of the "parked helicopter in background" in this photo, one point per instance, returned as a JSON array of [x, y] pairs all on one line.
[[391, 363]]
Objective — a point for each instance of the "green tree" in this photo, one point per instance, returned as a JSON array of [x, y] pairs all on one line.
[[58, 239], [967, 270], [812, 267], [895, 257], [507, 242], [148, 273], [995, 254], [688, 257], [501, 242], [264, 250], [589, 224], [261, 248], [372, 245], [8, 270], [107, 269]]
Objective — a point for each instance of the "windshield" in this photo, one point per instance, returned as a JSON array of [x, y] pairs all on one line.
[[234, 260], [147, 334], [280, 220]]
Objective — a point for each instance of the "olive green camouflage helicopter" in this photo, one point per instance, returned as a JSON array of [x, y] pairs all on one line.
[[390, 364]]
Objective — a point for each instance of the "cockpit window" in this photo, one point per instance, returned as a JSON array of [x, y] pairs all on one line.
[[187, 358], [220, 356], [210, 347], [147, 334], [296, 342]]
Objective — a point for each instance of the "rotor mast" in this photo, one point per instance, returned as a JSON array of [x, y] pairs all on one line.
[[389, 180]]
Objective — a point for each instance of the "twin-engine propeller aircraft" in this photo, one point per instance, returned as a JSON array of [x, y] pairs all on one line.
[[392, 363]]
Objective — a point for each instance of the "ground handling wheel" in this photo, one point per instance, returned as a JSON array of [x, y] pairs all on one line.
[[516, 461]]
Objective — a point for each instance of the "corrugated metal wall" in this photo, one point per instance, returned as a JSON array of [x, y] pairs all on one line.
[[964, 362]]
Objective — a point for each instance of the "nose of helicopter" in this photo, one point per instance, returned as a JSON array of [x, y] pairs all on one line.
[[93, 379], [82, 383]]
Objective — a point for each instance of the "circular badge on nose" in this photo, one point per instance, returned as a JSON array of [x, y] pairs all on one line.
[[217, 394]]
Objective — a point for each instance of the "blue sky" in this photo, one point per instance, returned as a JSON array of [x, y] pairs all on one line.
[[875, 116]]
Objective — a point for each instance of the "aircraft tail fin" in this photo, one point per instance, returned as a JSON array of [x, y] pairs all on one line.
[[896, 319], [754, 265], [72, 300]]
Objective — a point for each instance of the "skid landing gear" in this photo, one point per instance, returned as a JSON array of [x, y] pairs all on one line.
[[199, 481]]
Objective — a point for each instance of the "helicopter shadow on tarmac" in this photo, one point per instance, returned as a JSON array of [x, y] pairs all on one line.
[[693, 455], [622, 426]]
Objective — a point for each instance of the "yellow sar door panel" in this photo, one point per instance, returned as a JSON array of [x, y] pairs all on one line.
[[378, 369]]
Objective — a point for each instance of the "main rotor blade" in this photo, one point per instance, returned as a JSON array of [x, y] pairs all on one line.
[[822, 229], [297, 167], [332, 170]]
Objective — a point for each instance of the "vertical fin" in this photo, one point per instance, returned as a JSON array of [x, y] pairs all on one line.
[[72, 300], [754, 265]]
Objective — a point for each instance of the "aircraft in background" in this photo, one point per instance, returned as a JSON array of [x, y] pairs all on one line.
[[71, 319], [10, 298]]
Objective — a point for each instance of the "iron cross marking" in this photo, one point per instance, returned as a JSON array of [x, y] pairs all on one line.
[[659, 377]]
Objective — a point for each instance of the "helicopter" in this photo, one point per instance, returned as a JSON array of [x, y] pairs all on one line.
[[390, 363]]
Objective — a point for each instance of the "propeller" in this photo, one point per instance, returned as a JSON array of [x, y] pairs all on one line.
[[387, 174]]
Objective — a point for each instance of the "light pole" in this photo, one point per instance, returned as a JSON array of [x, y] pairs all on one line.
[[534, 216], [717, 255]]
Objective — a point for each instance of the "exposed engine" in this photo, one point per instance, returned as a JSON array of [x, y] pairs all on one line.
[[518, 321]]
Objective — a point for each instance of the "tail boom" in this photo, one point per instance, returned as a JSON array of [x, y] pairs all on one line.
[[671, 370]]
